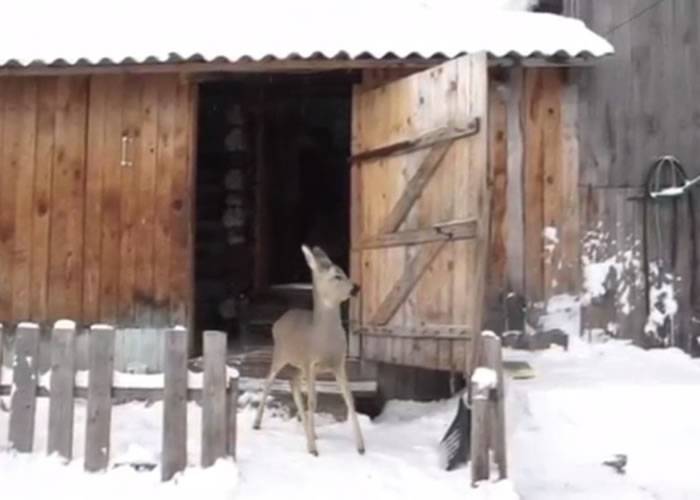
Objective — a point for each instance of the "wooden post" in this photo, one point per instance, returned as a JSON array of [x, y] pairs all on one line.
[[174, 443], [493, 358], [214, 398], [488, 411], [23, 403], [480, 432], [232, 415], [99, 406], [61, 390]]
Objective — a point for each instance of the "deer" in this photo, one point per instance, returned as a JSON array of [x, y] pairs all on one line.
[[314, 342]]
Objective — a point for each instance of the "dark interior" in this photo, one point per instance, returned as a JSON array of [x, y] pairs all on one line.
[[272, 173]]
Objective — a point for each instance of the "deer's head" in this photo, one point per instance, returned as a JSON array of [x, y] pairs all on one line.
[[331, 284]]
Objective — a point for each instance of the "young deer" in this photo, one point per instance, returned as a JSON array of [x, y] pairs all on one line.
[[314, 342]]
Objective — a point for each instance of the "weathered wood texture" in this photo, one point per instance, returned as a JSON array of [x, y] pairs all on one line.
[[23, 402], [99, 406], [95, 195], [534, 248], [428, 283], [639, 104], [61, 407], [214, 419], [218, 394], [175, 404], [488, 411]]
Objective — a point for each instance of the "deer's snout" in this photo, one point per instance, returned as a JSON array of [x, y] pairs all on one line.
[[355, 289]]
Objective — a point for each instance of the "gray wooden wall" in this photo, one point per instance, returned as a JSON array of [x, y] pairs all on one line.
[[641, 103]]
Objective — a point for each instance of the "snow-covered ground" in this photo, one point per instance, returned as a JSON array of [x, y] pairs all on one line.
[[583, 407]]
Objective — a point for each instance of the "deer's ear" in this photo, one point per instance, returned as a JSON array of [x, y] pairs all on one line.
[[310, 259]]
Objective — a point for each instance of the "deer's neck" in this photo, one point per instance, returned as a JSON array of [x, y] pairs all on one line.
[[325, 315]]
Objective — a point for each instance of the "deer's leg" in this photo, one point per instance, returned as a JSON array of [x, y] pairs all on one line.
[[342, 379], [274, 370], [295, 384], [311, 404]]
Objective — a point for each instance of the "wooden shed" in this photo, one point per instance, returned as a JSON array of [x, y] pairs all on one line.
[[169, 177]]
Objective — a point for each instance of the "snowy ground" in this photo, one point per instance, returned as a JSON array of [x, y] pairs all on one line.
[[583, 407]]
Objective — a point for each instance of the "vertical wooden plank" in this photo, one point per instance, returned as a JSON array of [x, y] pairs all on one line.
[[66, 256], [479, 454], [96, 167], [113, 87], [232, 416], [131, 152], [214, 398], [514, 191], [24, 157], [181, 207], [145, 232], [496, 286], [8, 181], [175, 404], [23, 402], [534, 160], [99, 405], [493, 359], [553, 189], [570, 237], [61, 390], [43, 180], [167, 94], [355, 307]]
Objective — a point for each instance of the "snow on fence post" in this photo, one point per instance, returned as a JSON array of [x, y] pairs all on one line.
[[488, 412], [24, 380], [214, 401], [99, 406], [174, 458], [61, 389]]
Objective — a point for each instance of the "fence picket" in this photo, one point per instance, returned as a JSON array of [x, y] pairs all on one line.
[[218, 395], [232, 412], [23, 402], [214, 436], [174, 457], [61, 391], [99, 407]]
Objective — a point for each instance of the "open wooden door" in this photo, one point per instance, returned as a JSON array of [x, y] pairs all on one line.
[[420, 215]]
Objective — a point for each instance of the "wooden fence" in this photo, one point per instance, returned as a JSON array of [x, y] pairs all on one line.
[[488, 429], [216, 388]]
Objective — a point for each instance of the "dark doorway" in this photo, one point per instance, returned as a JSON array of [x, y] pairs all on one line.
[[272, 173]]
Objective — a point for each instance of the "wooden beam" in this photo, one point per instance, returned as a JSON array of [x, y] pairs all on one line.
[[444, 232], [422, 332], [402, 288], [429, 139], [414, 188]]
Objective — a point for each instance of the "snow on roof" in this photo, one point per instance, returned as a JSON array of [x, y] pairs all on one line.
[[46, 32]]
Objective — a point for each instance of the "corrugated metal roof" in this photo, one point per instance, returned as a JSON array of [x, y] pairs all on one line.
[[70, 32]]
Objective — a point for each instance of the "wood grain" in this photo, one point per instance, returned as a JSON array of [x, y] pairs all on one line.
[[61, 407], [23, 401], [99, 405], [214, 418], [175, 404], [23, 157]]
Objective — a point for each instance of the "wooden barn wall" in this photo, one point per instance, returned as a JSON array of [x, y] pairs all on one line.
[[637, 105], [534, 204], [82, 236]]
